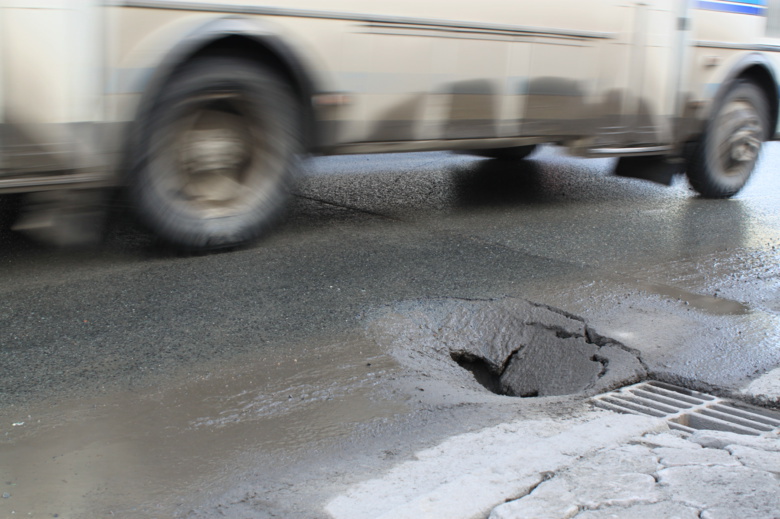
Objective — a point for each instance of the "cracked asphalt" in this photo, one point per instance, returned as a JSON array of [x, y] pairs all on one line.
[[263, 382]]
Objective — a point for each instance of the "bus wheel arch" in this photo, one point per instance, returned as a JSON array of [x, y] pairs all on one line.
[[270, 53], [760, 75]]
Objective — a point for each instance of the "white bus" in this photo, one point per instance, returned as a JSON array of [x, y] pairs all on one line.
[[199, 108]]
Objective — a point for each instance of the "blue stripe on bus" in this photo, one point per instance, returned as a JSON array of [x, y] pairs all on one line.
[[741, 8], [751, 2], [727, 2]]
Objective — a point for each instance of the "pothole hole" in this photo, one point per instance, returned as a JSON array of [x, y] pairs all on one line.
[[527, 350], [481, 371], [511, 347]]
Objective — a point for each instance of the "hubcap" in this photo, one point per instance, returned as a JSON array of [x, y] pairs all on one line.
[[215, 169], [739, 134]]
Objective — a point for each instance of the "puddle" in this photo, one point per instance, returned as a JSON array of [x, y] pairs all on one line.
[[146, 453], [709, 304]]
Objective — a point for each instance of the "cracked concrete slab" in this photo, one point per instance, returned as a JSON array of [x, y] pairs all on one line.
[[756, 459], [723, 439], [723, 492], [566, 493], [552, 499], [658, 475], [623, 459], [665, 510], [623, 478], [672, 439], [680, 457]]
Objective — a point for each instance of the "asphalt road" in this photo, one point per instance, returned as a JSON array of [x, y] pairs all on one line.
[[138, 382]]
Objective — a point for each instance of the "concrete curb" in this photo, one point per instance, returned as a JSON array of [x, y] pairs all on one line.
[[765, 389], [466, 476]]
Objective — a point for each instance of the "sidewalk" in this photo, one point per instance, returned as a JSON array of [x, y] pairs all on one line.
[[598, 465], [711, 475]]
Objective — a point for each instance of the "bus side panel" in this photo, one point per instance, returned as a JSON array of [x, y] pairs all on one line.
[[49, 78]]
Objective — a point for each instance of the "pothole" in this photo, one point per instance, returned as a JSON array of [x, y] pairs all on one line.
[[509, 346]]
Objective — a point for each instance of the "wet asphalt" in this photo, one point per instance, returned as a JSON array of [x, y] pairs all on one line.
[[229, 346]]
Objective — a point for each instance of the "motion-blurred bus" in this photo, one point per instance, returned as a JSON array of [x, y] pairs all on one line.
[[199, 109]]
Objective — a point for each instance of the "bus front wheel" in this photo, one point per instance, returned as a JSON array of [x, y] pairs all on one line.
[[216, 154], [726, 154]]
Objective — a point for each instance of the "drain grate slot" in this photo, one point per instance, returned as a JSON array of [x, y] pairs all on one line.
[[671, 402], [687, 410], [679, 394], [758, 415], [698, 421], [653, 404], [629, 406], [680, 427], [730, 417]]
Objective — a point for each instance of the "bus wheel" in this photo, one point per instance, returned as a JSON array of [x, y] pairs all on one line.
[[513, 153], [216, 154], [726, 154]]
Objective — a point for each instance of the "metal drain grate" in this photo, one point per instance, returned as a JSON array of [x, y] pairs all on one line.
[[688, 410]]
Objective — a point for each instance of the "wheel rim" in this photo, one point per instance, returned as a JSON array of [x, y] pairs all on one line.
[[215, 157], [739, 134]]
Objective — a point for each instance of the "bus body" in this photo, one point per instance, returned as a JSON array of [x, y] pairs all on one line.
[[198, 108]]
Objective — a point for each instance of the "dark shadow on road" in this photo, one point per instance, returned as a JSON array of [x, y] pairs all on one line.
[[497, 182]]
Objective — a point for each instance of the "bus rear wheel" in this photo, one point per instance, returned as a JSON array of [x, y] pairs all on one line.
[[216, 154], [726, 154]]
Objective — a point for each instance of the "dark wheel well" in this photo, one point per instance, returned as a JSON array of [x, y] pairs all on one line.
[[509, 153], [266, 55], [762, 78]]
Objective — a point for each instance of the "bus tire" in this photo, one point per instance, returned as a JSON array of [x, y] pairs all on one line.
[[512, 153], [726, 154], [216, 155]]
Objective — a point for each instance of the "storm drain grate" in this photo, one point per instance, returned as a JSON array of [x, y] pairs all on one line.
[[688, 410]]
